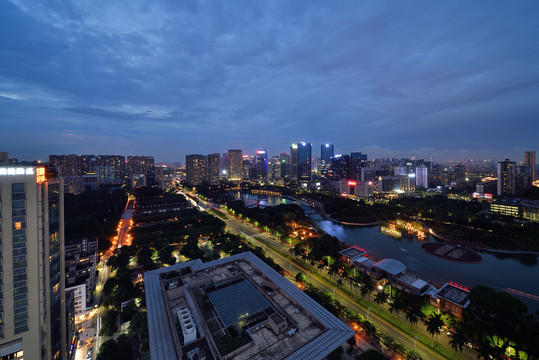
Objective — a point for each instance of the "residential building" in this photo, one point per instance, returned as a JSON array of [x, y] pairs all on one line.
[[196, 169], [422, 176], [213, 168], [32, 306], [235, 165], [506, 177], [529, 159]]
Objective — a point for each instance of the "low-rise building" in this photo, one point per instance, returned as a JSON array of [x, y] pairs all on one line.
[[235, 308]]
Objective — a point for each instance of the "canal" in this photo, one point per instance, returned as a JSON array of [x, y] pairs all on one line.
[[516, 274]]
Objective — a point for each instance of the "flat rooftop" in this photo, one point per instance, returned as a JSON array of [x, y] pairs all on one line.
[[235, 302], [311, 332], [353, 252], [454, 294]]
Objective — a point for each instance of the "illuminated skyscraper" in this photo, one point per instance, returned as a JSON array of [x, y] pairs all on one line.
[[262, 164], [327, 151], [235, 162], [422, 176], [196, 169], [529, 159], [301, 158], [506, 177], [32, 311]]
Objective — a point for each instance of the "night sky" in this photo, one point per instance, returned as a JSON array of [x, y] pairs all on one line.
[[451, 79]]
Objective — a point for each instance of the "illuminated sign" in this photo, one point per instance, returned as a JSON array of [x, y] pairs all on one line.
[[260, 152], [16, 171], [294, 146], [40, 175], [352, 183]]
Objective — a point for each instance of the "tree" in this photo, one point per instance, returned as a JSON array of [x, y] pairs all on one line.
[[457, 340], [336, 354], [139, 324], [108, 350], [109, 325], [381, 298], [371, 355], [396, 305], [414, 314], [434, 323], [368, 286], [301, 278]]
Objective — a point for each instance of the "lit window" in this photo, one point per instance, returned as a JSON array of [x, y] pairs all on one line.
[[17, 225]]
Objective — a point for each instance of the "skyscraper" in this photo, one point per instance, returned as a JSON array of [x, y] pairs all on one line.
[[327, 151], [422, 176], [213, 168], [235, 162], [196, 169], [301, 158], [32, 311], [262, 164], [529, 159], [506, 177]]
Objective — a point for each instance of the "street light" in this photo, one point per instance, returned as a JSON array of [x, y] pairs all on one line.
[[415, 342], [369, 309], [334, 292]]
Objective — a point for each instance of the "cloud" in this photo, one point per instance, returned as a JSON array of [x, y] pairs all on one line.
[[252, 74]]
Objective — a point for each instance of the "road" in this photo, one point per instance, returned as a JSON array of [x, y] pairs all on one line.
[[122, 239], [280, 254]]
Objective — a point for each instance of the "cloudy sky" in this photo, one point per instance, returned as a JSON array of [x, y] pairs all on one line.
[[451, 79]]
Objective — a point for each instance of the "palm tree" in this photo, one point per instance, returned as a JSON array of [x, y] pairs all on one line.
[[457, 340], [434, 323], [414, 314], [381, 298], [396, 305]]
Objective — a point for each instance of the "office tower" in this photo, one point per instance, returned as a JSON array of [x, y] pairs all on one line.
[[32, 307], [301, 158], [223, 166], [340, 167], [274, 169], [326, 153], [422, 176], [261, 164], [529, 159], [213, 168], [506, 177], [235, 167], [357, 161], [196, 169], [285, 165]]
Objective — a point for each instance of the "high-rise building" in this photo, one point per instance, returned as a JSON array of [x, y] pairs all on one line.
[[301, 158], [262, 164], [422, 176], [196, 169], [340, 167], [285, 165], [506, 177], [327, 151], [529, 159], [213, 168], [32, 306], [235, 162]]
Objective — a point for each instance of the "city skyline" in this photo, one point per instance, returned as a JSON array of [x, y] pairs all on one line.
[[450, 81]]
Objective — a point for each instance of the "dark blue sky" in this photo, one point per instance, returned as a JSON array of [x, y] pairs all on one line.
[[451, 79]]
